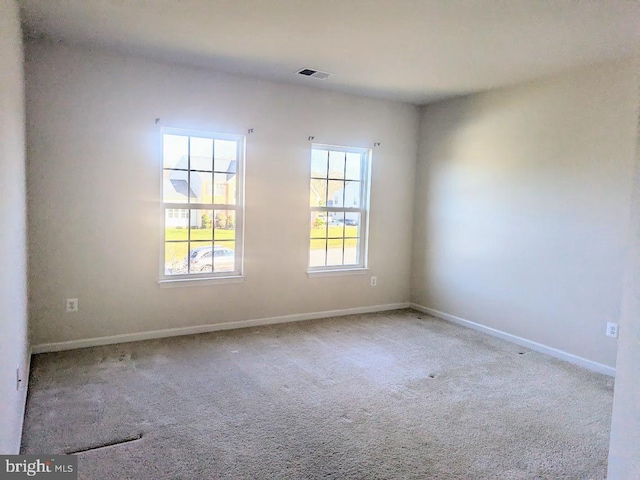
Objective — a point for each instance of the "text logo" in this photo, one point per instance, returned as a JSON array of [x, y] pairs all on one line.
[[50, 467]]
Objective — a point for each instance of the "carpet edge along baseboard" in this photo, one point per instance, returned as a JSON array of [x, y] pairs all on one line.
[[538, 347], [214, 327]]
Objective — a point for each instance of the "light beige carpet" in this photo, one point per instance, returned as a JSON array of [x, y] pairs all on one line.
[[379, 396]]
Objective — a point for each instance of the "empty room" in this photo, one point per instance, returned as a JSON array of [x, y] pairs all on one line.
[[356, 239]]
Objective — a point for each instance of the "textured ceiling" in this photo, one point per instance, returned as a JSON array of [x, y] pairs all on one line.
[[408, 50]]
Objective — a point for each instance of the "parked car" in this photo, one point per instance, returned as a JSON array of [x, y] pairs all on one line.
[[204, 258], [345, 221]]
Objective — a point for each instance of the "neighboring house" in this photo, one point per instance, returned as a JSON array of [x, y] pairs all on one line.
[[350, 193], [201, 188]]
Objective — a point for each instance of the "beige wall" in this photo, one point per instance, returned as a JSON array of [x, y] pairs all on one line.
[[13, 246], [624, 461], [522, 207], [94, 188]]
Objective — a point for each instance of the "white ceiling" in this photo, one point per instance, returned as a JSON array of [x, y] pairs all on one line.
[[408, 50]]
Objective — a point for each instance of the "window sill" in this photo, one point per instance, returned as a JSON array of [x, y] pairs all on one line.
[[337, 273], [198, 282]]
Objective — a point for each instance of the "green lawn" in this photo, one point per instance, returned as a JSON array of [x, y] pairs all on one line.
[[198, 234], [318, 234]]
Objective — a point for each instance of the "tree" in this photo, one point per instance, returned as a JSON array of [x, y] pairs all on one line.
[[206, 221]]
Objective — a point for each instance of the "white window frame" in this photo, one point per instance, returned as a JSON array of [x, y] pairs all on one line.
[[205, 278], [363, 210]]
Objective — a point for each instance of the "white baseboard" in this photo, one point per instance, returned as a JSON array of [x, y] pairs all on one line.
[[538, 347], [175, 332]]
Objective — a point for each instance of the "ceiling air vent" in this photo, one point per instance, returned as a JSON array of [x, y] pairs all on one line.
[[308, 72]]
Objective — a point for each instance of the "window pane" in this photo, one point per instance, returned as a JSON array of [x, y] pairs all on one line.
[[224, 190], [351, 251], [351, 224], [317, 253], [224, 225], [336, 193], [319, 163], [353, 166], [201, 153], [336, 225], [336, 164], [226, 152], [201, 225], [175, 186], [224, 257], [175, 151], [201, 187], [176, 224], [318, 194], [200, 257], [175, 254], [352, 194], [318, 225], [334, 252]]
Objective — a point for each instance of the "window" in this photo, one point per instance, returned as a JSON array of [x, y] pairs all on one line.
[[339, 195], [202, 202], [177, 213]]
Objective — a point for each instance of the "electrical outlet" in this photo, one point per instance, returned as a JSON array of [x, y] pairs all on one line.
[[374, 281], [612, 329], [72, 304]]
